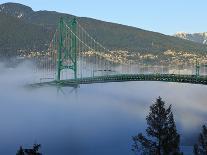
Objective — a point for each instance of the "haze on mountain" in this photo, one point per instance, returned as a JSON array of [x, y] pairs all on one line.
[[195, 37], [21, 28]]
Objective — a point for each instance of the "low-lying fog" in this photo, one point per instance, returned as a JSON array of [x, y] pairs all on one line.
[[93, 119]]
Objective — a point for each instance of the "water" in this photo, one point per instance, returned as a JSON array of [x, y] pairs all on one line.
[[97, 119]]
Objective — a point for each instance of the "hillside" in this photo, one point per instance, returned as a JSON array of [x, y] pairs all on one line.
[[30, 29], [17, 35], [118, 36]]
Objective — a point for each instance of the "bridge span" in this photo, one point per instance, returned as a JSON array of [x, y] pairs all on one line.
[[73, 52], [193, 79]]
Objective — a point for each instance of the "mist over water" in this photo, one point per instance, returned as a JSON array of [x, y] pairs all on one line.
[[92, 119]]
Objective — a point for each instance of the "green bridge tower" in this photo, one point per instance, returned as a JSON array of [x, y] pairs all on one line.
[[197, 68], [67, 51]]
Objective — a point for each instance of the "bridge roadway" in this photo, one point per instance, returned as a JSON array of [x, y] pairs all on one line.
[[193, 79]]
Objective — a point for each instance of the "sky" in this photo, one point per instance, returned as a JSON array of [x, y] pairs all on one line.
[[165, 16]]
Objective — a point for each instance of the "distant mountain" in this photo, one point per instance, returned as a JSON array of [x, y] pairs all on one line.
[[16, 10], [24, 28], [195, 37]]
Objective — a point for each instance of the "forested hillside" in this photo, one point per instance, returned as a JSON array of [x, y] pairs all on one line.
[[21, 28]]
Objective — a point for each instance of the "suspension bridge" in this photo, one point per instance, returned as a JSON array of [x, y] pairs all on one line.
[[74, 57]]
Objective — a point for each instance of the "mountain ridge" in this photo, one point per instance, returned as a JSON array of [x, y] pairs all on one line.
[[195, 37], [111, 35], [20, 10]]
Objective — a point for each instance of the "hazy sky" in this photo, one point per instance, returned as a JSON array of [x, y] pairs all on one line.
[[166, 16]]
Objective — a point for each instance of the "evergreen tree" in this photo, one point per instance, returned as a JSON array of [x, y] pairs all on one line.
[[201, 147], [36, 148], [163, 138], [20, 151], [33, 151]]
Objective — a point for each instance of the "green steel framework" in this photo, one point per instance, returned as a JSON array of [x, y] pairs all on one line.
[[193, 79], [197, 68], [59, 60], [62, 51], [72, 55]]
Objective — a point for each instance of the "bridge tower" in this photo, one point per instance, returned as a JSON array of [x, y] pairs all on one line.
[[197, 68], [60, 45], [67, 51]]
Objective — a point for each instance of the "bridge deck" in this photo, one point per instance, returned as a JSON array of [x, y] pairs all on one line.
[[129, 77]]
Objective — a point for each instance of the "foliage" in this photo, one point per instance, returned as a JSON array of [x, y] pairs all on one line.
[[201, 147], [17, 35], [33, 151], [35, 29], [161, 131]]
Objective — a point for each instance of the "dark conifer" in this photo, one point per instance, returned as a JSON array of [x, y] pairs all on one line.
[[201, 147], [33, 151], [163, 138], [20, 151]]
